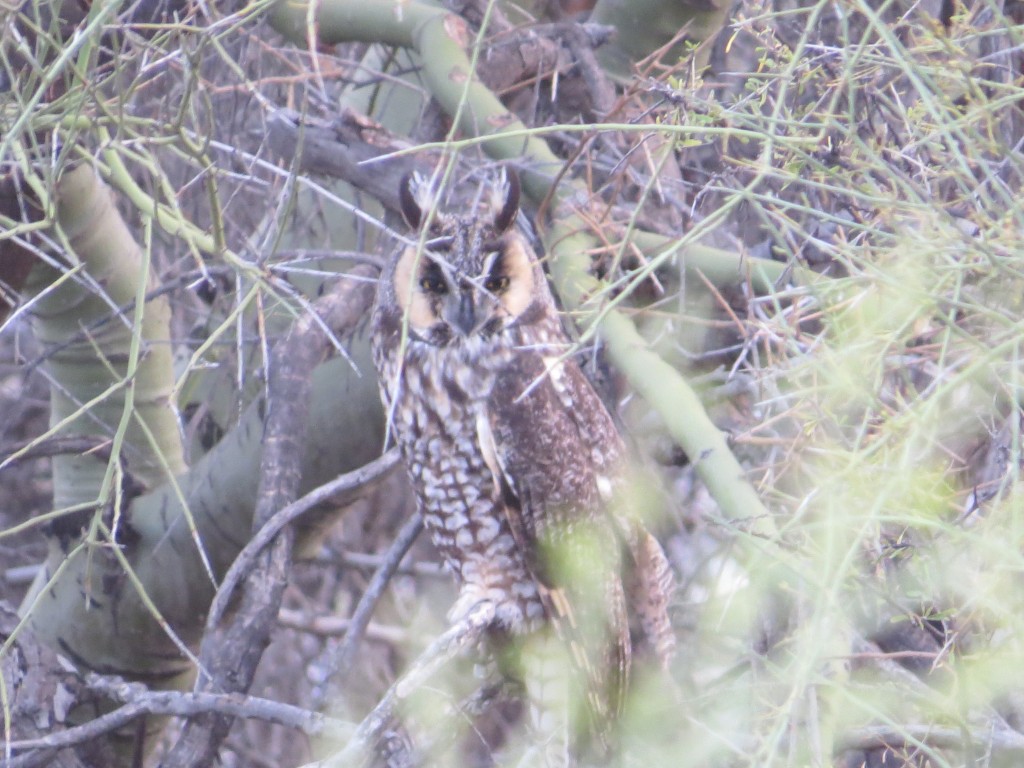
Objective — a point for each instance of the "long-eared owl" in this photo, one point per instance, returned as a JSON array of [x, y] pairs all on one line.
[[515, 461]]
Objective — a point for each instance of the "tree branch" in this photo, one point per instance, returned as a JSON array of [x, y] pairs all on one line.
[[999, 740], [138, 701], [374, 590], [231, 655], [368, 737], [338, 491]]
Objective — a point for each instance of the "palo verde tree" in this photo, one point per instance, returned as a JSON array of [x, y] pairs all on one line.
[[785, 235]]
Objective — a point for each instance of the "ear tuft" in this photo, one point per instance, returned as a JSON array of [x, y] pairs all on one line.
[[411, 210], [506, 215]]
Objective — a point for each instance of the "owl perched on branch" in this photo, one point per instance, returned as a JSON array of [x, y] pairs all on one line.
[[518, 468]]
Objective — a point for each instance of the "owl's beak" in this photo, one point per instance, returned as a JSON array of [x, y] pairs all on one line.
[[465, 314]]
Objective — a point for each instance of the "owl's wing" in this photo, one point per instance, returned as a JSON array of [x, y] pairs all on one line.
[[549, 462], [647, 574]]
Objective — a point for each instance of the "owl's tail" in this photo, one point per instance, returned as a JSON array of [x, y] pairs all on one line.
[[596, 638], [650, 585]]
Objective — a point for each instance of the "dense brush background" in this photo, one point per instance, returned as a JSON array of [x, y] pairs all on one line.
[[870, 613]]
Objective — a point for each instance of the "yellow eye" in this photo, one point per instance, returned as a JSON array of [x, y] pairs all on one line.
[[434, 284], [496, 284]]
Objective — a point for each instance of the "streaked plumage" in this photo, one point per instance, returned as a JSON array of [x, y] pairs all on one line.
[[514, 459]]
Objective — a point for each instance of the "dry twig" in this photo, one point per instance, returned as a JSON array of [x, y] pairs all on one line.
[[138, 701], [368, 602], [376, 734]]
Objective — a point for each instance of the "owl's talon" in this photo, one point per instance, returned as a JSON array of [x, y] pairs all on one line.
[[470, 607]]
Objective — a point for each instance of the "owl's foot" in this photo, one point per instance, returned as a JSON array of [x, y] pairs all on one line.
[[471, 600], [516, 616]]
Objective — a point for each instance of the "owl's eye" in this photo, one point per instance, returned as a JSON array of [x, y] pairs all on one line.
[[496, 283], [434, 284]]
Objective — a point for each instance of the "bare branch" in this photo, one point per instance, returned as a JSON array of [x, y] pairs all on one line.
[[460, 636], [344, 487], [231, 655], [336, 626], [138, 701], [999, 740], [374, 591]]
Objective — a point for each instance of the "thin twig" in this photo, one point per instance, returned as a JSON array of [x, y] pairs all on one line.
[[374, 590], [140, 701], [288, 257], [336, 626], [57, 446], [997, 740], [345, 485], [372, 561], [464, 633]]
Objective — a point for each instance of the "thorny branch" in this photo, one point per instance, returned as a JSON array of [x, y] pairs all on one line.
[[232, 654]]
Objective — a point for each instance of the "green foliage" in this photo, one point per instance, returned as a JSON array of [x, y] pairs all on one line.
[[888, 438], [874, 401]]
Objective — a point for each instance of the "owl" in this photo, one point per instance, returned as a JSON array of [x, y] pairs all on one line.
[[517, 466]]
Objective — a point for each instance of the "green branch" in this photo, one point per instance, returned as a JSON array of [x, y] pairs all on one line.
[[440, 38], [659, 383], [108, 355]]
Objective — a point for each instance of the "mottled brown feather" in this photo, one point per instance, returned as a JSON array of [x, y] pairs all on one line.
[[554, 482], [517, 466]]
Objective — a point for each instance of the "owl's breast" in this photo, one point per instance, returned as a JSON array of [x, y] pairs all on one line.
[[436, 399]]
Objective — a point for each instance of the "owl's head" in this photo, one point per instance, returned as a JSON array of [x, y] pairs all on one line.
[[474, 277]]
